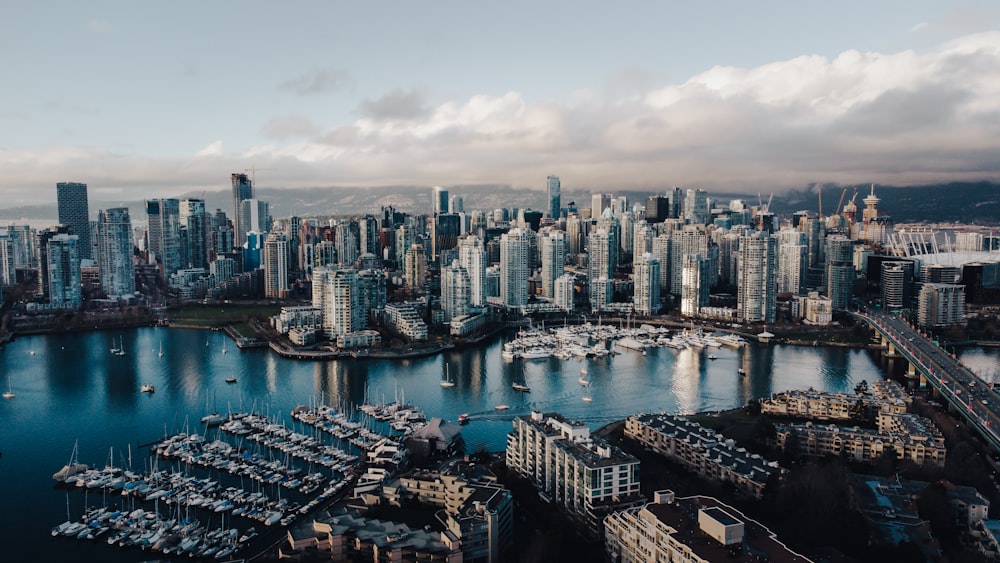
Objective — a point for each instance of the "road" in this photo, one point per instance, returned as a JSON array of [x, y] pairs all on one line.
[[971, 397]]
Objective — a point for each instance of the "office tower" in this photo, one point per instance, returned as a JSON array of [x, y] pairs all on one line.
[[472, 256], [348, 243], [65, 290], [515, 267], [553, 250], [839, 271], [676, 203], [555, 202], [756, 269], [598, 203], [564, 292], [254, 216], [276, 266], [456, 204], [115, 249], [368, 232], [696, 206], [456, 291], [163, 219], [941, 304], [689, 240], [601, 263], [415, 267], [896, 284], [646, 277], [252, 250], [694, 284], [74, 212], [8, 271], [194, 221], [445, 228], [657, 208], [242, 191], [439, 200]]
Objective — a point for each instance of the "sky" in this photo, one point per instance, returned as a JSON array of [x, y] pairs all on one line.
[[143, 99]]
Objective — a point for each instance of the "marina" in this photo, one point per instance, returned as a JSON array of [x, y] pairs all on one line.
[[302, 415]]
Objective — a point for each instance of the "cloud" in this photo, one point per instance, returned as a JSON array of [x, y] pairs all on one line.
[[282, 128], [890, 118], [100, 26], [317, 81], [397, 104], [213, 149]]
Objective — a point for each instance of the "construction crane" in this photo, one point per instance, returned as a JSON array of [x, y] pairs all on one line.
[[253, 174], [842, 194]]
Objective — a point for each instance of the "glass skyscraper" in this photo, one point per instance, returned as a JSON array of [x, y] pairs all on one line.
[[555, 203], [74, 212]]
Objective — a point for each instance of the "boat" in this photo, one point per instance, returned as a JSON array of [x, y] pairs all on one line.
[[713, 357], [72, 468], [9, 393], [521, 387], [587, 398], [161, 348], [463, 418], [741, 371], [223, 346], [120, 351], [147, 388], [213, 419], [502, 407], [231, 379], [447, 382]]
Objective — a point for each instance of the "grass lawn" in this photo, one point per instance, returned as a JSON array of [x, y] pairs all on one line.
[[217, 315]]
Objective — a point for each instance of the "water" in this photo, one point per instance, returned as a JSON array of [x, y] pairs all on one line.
[[73, 389]]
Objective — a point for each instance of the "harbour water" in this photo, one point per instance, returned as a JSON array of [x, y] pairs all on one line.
[[71, 389]]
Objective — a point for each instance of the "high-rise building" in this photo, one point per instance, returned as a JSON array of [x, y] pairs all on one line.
[[657, 208], [276, 266], [8, 270], [576, 233], [601, 262], [793, 261], [455, 291], [642, 240], [74, 212], [115, 250], [163, 219], [896, 284], [42, 256], [194, 224], [445, 228], [839, 271], [553, 250], [598, 203], [338, 295], [515, 266], [555, 202], [756, 299], [472, 256], [348, 243], [415, 267], [255, 216], [661, 250], [647, 285], [694, 284], [941, 304], [439, 201], [242, 191], [696, 206], [689, 240], [564, 292], [65, 290]]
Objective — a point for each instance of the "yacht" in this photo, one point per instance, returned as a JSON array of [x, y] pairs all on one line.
[[147, 388], [502, 407], [521, 387], [231, 379]]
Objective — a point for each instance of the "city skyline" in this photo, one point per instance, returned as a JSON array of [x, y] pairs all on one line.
[[766, 98]]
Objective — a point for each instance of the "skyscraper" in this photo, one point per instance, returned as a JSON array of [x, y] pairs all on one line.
[[254, 216], [348, 243], [194, 224], [163, 217], [553, 250], [696, 206], [689, 240], [276, 266], [74, 212], [756, 299], [472, 255], [65, 290], [647, 285], [439, 197], [601, 266], [114, 258], [555, 202], [455, 291], [694, 283], [515, 267], [242, 191], [839, 271], [339, 297]]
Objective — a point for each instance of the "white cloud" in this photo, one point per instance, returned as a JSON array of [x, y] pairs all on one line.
[[898, 118], [214, 148]]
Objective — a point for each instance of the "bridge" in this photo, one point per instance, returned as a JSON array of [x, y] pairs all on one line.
[[969, 396]]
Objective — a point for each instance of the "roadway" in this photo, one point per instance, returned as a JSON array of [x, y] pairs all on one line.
[[971, 397]]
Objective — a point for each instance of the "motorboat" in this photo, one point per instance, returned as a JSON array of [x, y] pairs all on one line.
[[521, 387], [463, 418], [147, 388], [502, 407]]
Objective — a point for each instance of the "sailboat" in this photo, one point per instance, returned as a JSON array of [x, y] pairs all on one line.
[[447, 382], [583, 377], [161, 348], [223, 346], [9, 393], [586, 396], [120, 350], [114, 348]]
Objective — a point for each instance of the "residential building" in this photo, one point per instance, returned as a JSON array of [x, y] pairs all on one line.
[[756, 298], [163, 217], [647, 285], [65, 289], [694, 284], [839, 271], [553, 251], [689, 240], [242, 191], [941, 304], [115, 252], [403, 318], [456, 291], [886, 396], [584, 475], [695, 529], [275, 264], [338, 294], [193, 223], [74, 212], [564, 292], [472, 255], [696, 206], [415, 267], [702, 451], [515, 267]]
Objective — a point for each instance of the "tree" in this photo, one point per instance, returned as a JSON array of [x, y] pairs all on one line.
[[859, 412], [861, 388]]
